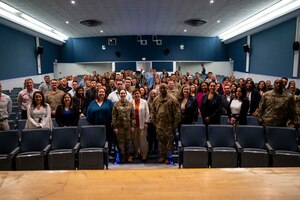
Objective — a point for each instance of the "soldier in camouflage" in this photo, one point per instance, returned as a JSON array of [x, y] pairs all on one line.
[[277, 107], [123, 122], [166, 117]]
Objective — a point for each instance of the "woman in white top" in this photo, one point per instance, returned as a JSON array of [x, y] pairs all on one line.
[[139, 136], [38, 113], [238, 107]]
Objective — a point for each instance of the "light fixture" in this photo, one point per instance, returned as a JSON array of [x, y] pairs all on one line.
[[277, 10], [218, 21], [67, 22], [185, 30], [181, 46], [13, 15], [73, 2], [101, 31], [36, 22], [212, 1], [103, 47], [8, 8]]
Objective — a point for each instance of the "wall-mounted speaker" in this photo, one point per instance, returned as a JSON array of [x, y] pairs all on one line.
[[40, 50], [158, 42], [118, 54], [296, 46], [143, 42], [112, 41], [166, 51], [246, 48]]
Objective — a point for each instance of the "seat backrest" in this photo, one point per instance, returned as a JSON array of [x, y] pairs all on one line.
[[282, 138], [11, 124], [15, 109], [298, 136], [92, 136], [221, 135], [83, 122], [54, 123], [34, 139], [9, 140], [251, 120], [200, 120], [12, 116], [224, 119], [250, 136], [64, 137], [21, 124], [193, 135]]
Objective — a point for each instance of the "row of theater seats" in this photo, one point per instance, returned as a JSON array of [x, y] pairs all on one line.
[[245, 146], [251, 120], [59, 149], [20, 123]]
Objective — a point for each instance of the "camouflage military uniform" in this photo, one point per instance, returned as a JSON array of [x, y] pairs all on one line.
[[277, 109], [123, 119], [297, 102], [174, 92], [166, 117]]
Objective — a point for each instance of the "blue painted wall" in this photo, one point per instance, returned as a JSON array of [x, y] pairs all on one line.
[[125, 66], [195, 48], [17, 54], [237, 54], [271, 50], [50, 54], [160, 66]]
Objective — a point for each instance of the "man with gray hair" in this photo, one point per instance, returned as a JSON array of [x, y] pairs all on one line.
[[5, 109]]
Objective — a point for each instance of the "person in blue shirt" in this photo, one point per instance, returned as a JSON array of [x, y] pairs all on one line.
[[99, 112], [150, 76]]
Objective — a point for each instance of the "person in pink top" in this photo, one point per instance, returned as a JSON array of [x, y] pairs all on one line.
[[203, 89]]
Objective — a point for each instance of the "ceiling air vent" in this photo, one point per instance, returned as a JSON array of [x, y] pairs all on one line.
[[195, 22], [91, 22]]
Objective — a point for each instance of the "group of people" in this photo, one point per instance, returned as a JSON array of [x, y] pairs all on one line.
[[142, 111]]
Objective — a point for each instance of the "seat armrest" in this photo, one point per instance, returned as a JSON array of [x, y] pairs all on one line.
[[180, 147], [209, 147], [270, 149], [46, 150], [13, 153], [106, 147], [76, 148], [239, 147], [176, 133], [180, 154], [106, 154]]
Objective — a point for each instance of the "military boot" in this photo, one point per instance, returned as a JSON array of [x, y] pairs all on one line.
[[129, 159]]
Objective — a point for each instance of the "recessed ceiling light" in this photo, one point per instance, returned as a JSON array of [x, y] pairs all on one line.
[[101, 31], [218, 21], [212, 1], [67, 22], [73, 2], [185, 30]]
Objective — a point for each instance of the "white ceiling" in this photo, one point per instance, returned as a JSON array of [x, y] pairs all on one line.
[[140, 17]]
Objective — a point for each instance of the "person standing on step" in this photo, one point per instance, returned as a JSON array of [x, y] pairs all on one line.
[[5, 109], [123, 122], [166, 117]]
